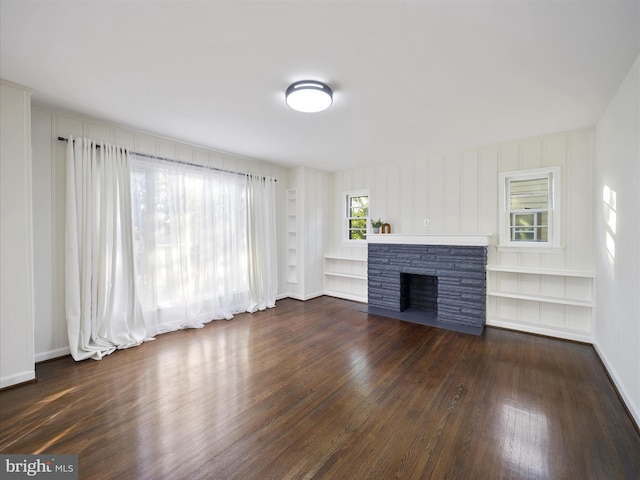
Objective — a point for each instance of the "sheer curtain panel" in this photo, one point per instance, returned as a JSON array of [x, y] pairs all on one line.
[[263, 262], [190, 239], [100, 295]]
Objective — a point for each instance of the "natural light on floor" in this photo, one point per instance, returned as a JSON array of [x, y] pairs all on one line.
[[527, 444]]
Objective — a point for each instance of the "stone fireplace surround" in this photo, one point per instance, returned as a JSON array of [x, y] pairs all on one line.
[[453, 265]]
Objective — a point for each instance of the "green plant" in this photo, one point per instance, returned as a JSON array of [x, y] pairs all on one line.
[[376, 223]]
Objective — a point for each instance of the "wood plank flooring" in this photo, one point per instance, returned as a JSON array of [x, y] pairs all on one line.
[[321, 389]]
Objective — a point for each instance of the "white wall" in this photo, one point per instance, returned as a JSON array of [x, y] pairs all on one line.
[[459, 194], [49, 197], [617, 239], [16, 252]]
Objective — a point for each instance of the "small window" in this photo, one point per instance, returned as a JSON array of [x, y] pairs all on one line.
[[531, 212], [356, 215], [529, 205]]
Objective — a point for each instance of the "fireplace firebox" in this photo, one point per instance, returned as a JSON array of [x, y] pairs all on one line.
[[419, 292]]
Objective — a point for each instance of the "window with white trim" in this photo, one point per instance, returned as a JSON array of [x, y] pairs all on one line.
[[530, 214], [356, 215]]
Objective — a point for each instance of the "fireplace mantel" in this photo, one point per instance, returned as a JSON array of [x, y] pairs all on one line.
[[478, 240]]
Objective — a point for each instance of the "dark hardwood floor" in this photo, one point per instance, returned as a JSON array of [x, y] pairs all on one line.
[[322, 389]]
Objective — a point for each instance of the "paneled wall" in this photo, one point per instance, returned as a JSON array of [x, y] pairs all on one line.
[[49, 200], [16, 252], [458, 193]]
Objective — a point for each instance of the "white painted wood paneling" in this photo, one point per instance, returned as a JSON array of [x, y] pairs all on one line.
[[314, 224], [469, 195], [451, 195], [43, 235], [436, 195], [17, 362]]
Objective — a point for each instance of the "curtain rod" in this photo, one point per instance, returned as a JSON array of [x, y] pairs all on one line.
[[172, 160]]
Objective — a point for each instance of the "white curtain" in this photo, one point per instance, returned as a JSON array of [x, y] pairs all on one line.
[[154, 246], [100, 300], [263, 262], [190, 235]]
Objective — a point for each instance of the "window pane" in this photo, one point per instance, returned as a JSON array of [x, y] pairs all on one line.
[[357, 234], [543, 234], [529, 194], [529, 227], [522, 235], [360, 223], [522, 220], [543, 219], [539, 219], [358, 206]]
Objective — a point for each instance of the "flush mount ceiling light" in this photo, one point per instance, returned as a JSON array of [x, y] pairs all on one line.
[[309, 96]]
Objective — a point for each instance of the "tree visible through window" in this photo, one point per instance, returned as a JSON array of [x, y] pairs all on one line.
[[357, 216]]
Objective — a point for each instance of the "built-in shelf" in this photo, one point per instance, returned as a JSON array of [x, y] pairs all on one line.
[[542, 298], [346, 277], [348, 259], [540, 271], [573, 290], [292, 236]]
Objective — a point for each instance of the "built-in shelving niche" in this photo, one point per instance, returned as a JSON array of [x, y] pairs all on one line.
[[292, 236], [346, 277], [547, 301]]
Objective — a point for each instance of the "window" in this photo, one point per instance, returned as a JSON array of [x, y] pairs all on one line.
[[356, 208], [531, 213], [529, 204]]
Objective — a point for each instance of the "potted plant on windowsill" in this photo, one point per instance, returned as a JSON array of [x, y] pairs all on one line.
[[375, 225]]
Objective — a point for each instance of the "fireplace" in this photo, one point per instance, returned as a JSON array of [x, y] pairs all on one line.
[[419, 292], [440, 285]]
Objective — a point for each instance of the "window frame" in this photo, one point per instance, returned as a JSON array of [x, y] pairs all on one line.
[[554, 210], [346, 197]]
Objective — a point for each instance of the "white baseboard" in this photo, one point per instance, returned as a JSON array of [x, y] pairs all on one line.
[[346, 296], [622, 391], [59, 352], [17, 378], [302, 298], [313, 295]]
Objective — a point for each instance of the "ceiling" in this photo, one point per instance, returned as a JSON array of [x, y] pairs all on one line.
[[411, 79]]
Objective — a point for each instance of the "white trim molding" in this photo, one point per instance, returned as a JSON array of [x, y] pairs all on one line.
[[17, 378]]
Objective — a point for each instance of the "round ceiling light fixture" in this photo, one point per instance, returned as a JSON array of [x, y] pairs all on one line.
[[309, 96]]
